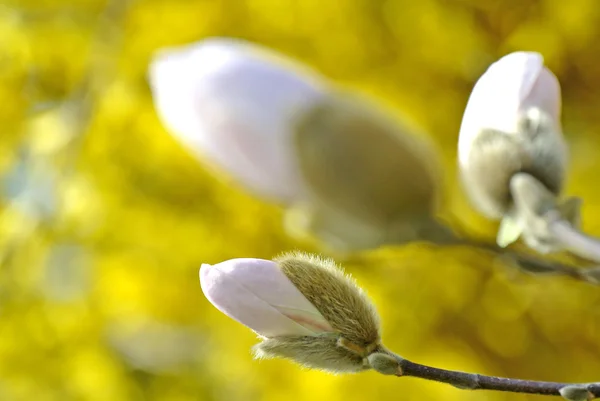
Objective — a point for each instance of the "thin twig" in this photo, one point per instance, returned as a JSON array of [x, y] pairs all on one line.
[[532, 264], [473, 381], [527, 263]]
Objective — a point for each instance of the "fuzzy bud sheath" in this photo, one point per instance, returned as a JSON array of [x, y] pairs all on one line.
[[373, 178]]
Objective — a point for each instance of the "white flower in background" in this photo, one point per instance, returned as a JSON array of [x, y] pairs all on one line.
[[510, 87], [233, 104], [512, 125]]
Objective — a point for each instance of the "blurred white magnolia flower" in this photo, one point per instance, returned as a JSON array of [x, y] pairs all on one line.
[[512, 153], [349, 175], [233, 104]]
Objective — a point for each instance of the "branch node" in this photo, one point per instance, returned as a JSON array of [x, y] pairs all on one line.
[[576, 392], [470, 382], [386, 364]]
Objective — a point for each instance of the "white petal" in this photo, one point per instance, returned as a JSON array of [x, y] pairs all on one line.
[[258, 294], [510, 86], [234, 103]]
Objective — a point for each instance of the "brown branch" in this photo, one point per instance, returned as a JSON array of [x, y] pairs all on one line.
[[532, 264], [527, 263], [386, 362], [473, 381]]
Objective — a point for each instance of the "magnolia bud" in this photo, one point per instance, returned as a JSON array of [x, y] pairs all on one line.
[[369, 169], [511, 124], [304, 308], [233, 103]]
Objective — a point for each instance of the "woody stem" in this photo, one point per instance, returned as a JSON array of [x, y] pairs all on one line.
[[473, 381]]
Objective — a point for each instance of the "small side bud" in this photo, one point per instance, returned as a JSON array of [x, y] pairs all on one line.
[[385, 364], [576, 392], [468, 382]]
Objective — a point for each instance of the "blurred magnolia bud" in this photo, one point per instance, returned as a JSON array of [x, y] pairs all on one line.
[[304, 308], [378, 177], [232, 103], [511, 124]]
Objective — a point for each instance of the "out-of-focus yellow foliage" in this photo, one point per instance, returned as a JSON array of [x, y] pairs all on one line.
[[105, 219]]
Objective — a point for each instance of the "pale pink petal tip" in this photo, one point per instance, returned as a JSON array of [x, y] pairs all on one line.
[[256, 293]]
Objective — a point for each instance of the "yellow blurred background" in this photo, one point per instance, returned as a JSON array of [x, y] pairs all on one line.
[[105, 219]]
